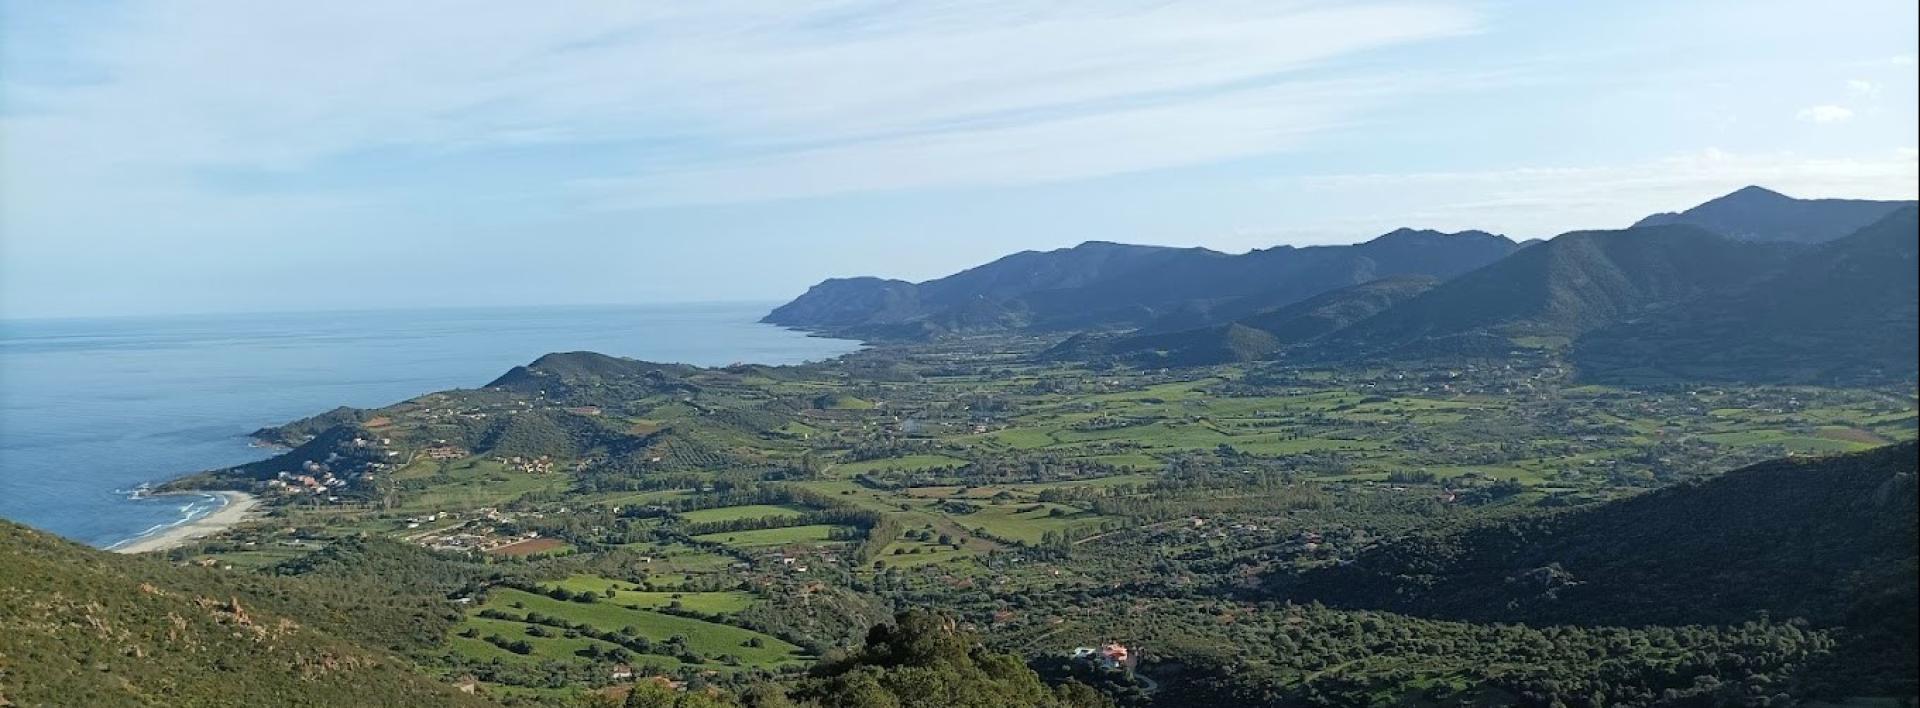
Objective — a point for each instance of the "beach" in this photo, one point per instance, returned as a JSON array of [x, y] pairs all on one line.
[[235, 508], [182, 393]]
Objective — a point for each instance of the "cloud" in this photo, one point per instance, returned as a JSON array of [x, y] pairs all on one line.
[[1824, 114], [1862, 88], [908, 94], [1222, 126]]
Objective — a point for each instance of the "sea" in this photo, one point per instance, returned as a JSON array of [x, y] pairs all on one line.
[[93, 410]]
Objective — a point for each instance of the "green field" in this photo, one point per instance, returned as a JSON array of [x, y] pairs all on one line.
[[750, 511], [909, 462], [913, 554], [760, 538], [630, 595], [1026, 522], [679, 558], [707, 638], [1792, 442], [558, 647], [472, 483]]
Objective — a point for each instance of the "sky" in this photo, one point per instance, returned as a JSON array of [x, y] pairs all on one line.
[[200, 156]]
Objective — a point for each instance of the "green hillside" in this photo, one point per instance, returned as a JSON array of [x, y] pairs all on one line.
[[80, 627], [1846, 311], [1262, 334], [1830, 540], [1549, 293], [924, 660]]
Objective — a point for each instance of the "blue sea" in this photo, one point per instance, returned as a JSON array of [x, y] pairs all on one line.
[[91, 409]]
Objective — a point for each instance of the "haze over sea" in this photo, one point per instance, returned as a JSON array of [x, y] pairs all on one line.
[[92, 409]]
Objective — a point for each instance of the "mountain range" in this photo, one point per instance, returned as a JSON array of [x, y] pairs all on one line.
[[1760, 214], [1107, 285], [1750, 286], [1842, 311]]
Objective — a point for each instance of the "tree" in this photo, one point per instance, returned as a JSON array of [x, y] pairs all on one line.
[[648, 694], [923, 660]]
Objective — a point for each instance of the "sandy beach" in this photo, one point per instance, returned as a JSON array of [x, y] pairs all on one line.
[[237, 507]]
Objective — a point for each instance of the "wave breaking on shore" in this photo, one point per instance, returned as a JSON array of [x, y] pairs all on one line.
[[234, 508]]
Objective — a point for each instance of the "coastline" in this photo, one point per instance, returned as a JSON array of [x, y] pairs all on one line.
[[235, 508], [245, 372]]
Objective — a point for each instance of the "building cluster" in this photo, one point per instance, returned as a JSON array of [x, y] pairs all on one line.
[[312, 479], [1112, 655], [528, 465], [478, 531]]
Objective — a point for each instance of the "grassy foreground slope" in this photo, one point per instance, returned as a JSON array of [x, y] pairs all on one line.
[[80, 627]]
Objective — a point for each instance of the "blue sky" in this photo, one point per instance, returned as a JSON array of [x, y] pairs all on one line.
[[172, 157]]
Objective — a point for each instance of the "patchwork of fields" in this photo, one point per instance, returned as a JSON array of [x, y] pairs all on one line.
[[718, 527]]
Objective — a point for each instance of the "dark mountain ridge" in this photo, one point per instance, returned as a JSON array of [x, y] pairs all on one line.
[[1257, 336], [1647, 304], [1554, 291], [1108, 285], [1829, 540], [1847, 311], [1760, 214]]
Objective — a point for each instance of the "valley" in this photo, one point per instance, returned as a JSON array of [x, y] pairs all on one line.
[[763, 517], [1477, 489]]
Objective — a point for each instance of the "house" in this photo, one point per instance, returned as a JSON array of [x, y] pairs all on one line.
[[1115, 655], [621, 672]]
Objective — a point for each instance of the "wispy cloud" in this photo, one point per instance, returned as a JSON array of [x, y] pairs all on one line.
[[1221, 126], [795, 97], [1824, 114]]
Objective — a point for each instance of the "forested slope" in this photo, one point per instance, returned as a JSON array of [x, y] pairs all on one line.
[[1830, 540], [80, 627]]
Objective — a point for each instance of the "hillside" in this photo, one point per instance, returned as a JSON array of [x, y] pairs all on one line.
[[1260, 335], [1403, 253], [1549, 293], [86, 627], [1759, 214], [558, 374], [1831, 540], [874, 303], [629, 417], [1848, 311], [1199, 292], [924, 660], [1105, 285]]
